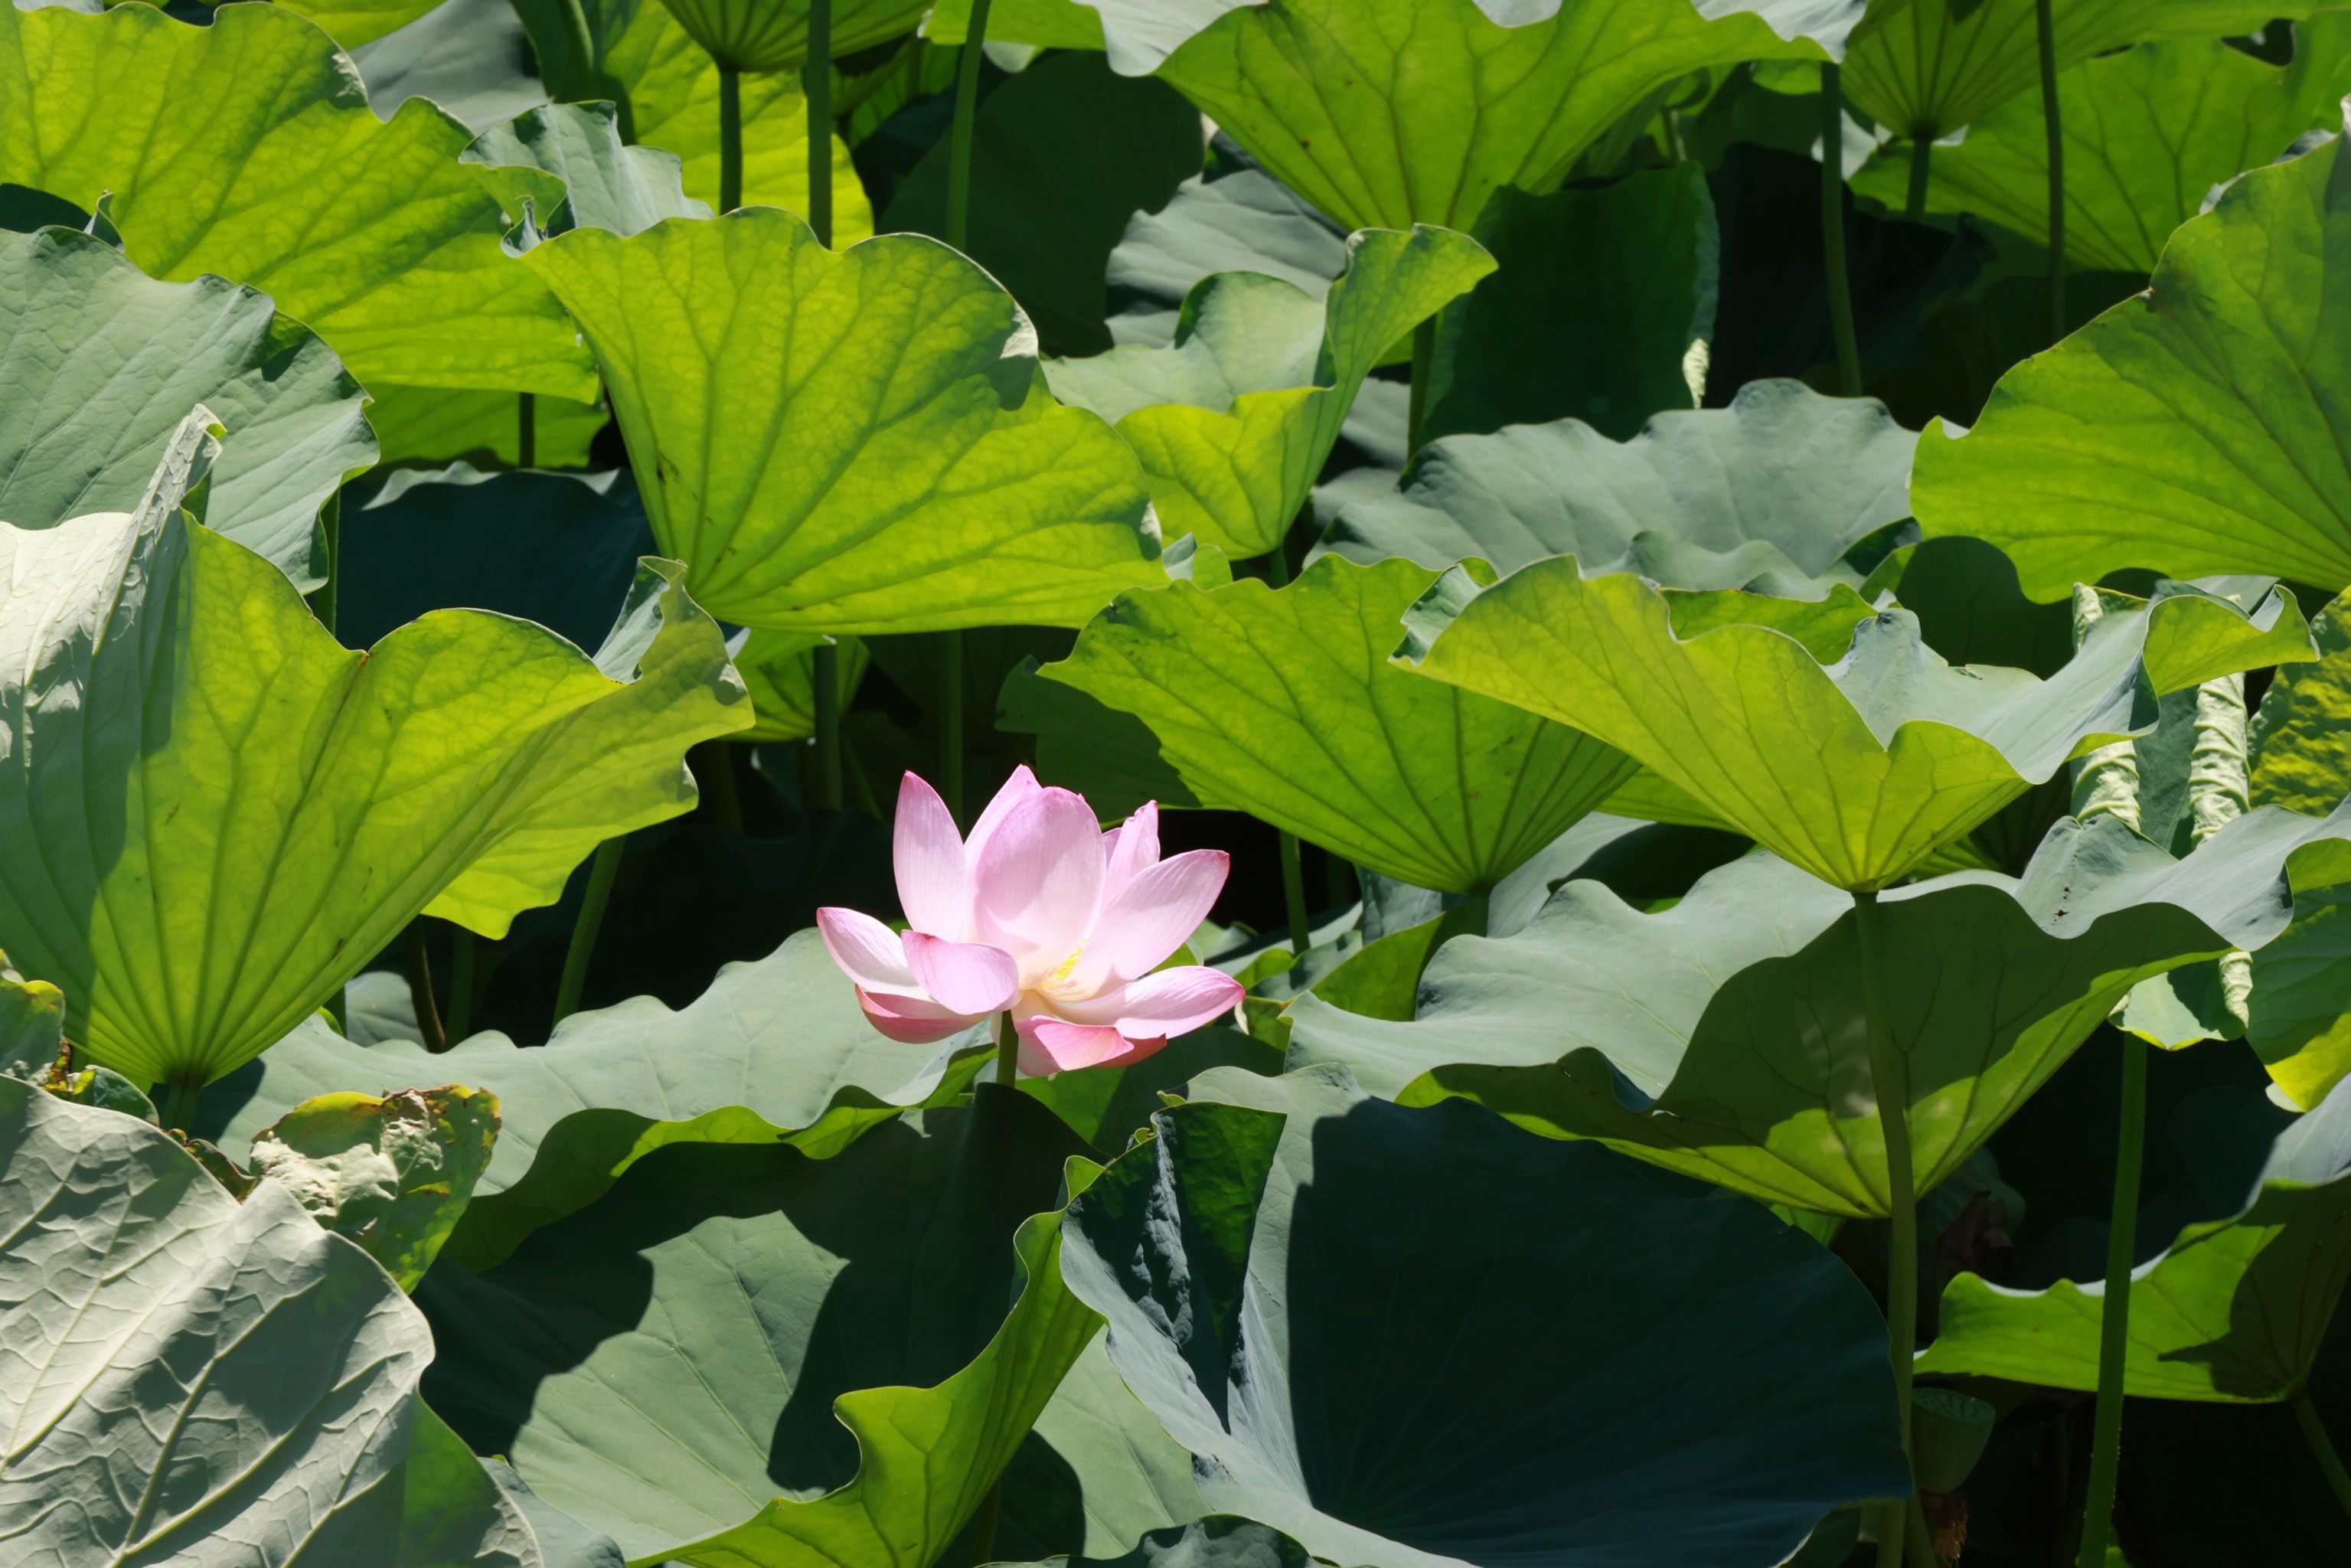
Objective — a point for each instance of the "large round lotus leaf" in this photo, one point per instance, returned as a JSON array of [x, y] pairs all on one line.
[[2232, 1309], [102, 364], [1385, 113], [430, 427], [2148, 133], [849, 442], [743, 1355], [398, 265], [232, 814], [2204, 426], [186, 1374], [1784, 482], [1855, 771], [1234, 420], [772, 35], [472, 57], [1724, 1037], [1282, 703], [1926, 68], [1246, 221], [1346, 1310], [775, 1051], [351, 23]]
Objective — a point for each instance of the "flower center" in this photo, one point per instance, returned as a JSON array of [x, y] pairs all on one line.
[[1057, 983]]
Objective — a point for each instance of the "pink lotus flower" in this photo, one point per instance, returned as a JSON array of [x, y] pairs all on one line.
[[1042, 914]]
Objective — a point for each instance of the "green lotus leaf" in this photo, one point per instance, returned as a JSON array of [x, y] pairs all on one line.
[[233, 814], [1723, 1037], [103, 364], [1401, 111], [2201, 427], [2233, 1309], [842, 442], [1235, 420], [392, 1172], [1282, 703], [1767, 494], [351, 23], [771, 36], [2147, 132], [2300, 738], [398, 265], [293, 1359], [775, 1051], [1062, 156], [733, 1324], [472, 57], [1245, 221], [1644, 253], [1855, 771], [1926, 68], [1219, 1541], [570, 164], [457, 1512], [432, 426], [780, 669], [1528, 1291], [558, 549]]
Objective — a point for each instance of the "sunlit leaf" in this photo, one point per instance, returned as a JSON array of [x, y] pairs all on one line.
[[771, 36]]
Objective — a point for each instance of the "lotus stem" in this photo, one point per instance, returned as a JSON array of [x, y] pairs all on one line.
[[950, 722], [2322, 1448], [1424, 365], [338, 1011], [730, 138], [1889, 1083], [827, 664], [463, 950], [2054, 128], [959, 136], [816, 82], [416, 964], [526, 431], [330, 525], [1848, 350], [1007, 1050], [180, 1110], [1294, 863], [2114, 1316], [1922, 161], [717, 777], [583, 930], [982, 1527]]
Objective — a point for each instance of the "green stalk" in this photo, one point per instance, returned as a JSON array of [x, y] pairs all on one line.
[[179, 1109], [583, 932], [338, 1011], [464, 949], [1922, 158], [1424, 365], [330, 523], [959, 139], [828, 727], [1888, 1080], [1293, 865], [416, 965], [730, 138], [526, 431], [816, 82], [717, 777], [1848, 350], [2321, 1449], [2113, 1318], [1007, 1050], [983, 1530], [2054, 127], [950, 722]]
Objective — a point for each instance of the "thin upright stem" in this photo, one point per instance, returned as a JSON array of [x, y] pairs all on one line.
[[1424, 366], [1007, 1050], [816, 82], [1848, 349], [959, 134], [2054, 128], [2322, 1448], [827, 683], [715, 774], [583, 930], [416, 964], [950, 722], [465, 948], [730, 138], [526, 431], [179, 1109], [331, 524], [983, 1528], [1293, 865], [1889, 1084], [2113, 1312], [1922, 164]]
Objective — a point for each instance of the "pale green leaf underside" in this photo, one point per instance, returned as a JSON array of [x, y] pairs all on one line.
[[1856, 771], [398, 263], [215, 815], [1282, 703], [772, 1051], [2148, 133], [351, 23], [2202, 427], [1391, 113], [2232, 1311], [102, 364], [1233, 421], [568, 162], [1917, 72], [851, 441]]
